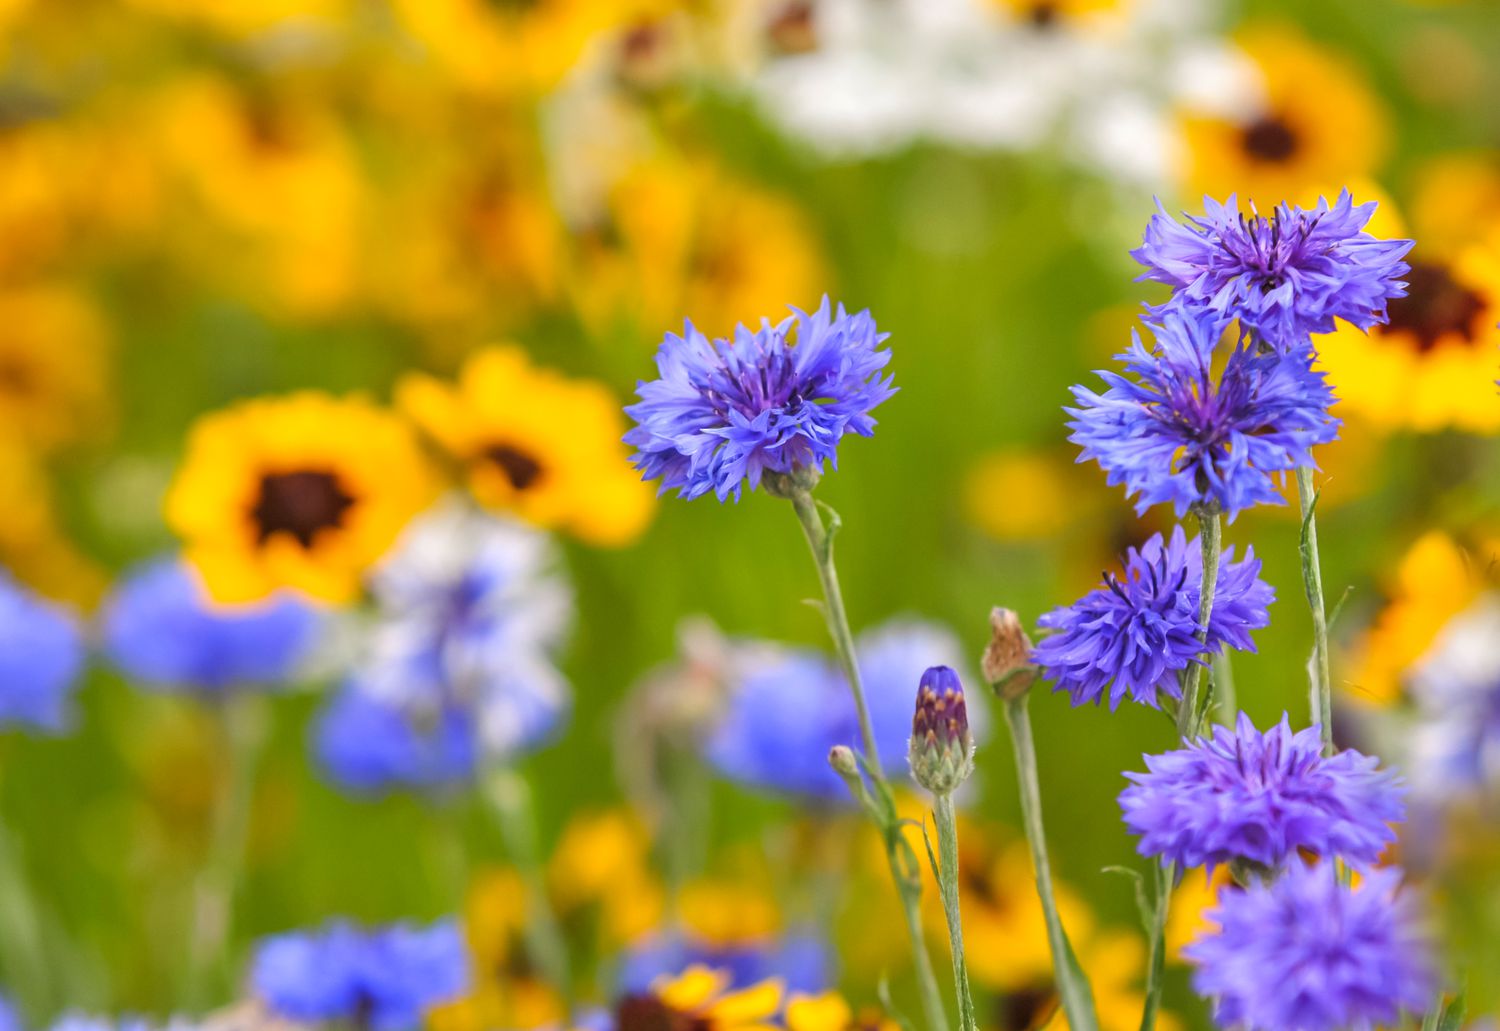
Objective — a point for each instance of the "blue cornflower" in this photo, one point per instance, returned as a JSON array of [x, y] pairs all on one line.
[[788, 707], [41, 657], [1306, 953], [1132, 636], [160, 627], [1285, 277], [803, 961], [777, 399], [77, 1021], [1259, 798], [386, 978], [1179, 433], [460, 661], [10, 1020]]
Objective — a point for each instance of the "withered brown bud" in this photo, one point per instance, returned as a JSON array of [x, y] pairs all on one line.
[[1007, 661]]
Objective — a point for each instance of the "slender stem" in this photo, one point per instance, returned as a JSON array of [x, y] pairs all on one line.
[[1320, 680], [1190, 711], [243, 721], [1225, 700], [1165, 877], [1076, 995], [904, 874], [510, 800], [25, 957], [821, 543], [947, 828]]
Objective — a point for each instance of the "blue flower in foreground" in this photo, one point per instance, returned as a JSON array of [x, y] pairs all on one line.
[[788, 707], [1177, 433], [1285, 277], [41, 657], [1306, 953], [1132, 636], [385, 979], [777, 399], [460, 659], [10, 1020], [802, 961], [1244, 795], [160, 628]]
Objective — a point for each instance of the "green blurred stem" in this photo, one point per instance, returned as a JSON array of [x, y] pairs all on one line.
[[1225, 700], [1190, 711], [1320, 680], [1073, 987], [904, 871], [25, 958], [947, 828], [1165, 876], [243, 722], [509, 797]]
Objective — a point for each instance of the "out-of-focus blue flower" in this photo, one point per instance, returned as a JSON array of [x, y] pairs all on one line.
[[803, 961], [161, 628], [386, 978], [1285, 277], [41, 657], [460, 663], [1306, 953], [788, 707], [10, 1020], [1177, 433], [1241, 794], [1132, 636], [777, 399], [1455, 745], [88, 1022]]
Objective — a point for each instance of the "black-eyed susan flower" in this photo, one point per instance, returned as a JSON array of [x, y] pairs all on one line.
[[535, 443], [701, 999], [53, 364], [830, 1011], [1315, 123], [304, 491]]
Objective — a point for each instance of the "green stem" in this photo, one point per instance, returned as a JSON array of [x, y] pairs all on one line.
[[509, 797], [1073, 987], [947, 828], [1165, 876], [1319, 677], [1225, 700], [243, 721], [1190, 712], [906, 878], [25, 956]]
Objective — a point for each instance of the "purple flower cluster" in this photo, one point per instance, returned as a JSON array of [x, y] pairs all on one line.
[[1132, 636], [1284, 277], [1306, 953], [1177, 433], [1245, 795], [777, 399]]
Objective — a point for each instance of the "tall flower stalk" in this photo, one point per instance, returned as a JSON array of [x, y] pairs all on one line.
[[1320, 681]]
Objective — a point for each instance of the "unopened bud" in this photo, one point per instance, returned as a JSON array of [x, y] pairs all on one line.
[[941, 751], [841, 758], [1007, 661]]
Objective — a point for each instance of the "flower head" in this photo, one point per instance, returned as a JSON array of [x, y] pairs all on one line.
[[1132, 636], [1260, 797], [1306, 953], [777, 399], [161, 628], [941, 750], [41, 657], [701, 999], [1284, 277], [386, 978], [800, 960], [1177, 433]]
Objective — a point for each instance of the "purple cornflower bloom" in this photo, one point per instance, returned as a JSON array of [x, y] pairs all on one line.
[[1306, 953], [777, 399], [1285, 277], [1132, 636], [1176, 433], [41, 659], [1244, 795]]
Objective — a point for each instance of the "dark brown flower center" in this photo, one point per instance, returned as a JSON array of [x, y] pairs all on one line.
[[648, 1013], [1435, 306], [520, 467], [16, 377], [1269, 138], [1044, 15], [1026, 1008], [792, 29], [302, 504]]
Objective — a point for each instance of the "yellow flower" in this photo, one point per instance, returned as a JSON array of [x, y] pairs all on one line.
[[1116, 962], [684, 238], [1317, 122], [699, 998], [1027, 495], [604, 860], [1195, 896], [1434, 582], [245, 17], [829, 1012], [1433, 366], [535, 443], [304, 491], [32, 545], [1453, 194], [53, 363], [1049, 14]]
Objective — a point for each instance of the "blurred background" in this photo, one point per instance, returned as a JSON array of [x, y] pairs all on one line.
[[203, 201]]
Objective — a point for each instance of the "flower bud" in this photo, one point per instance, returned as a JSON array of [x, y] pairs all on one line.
[[941, 751], [841, 758], [1007, 661]]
